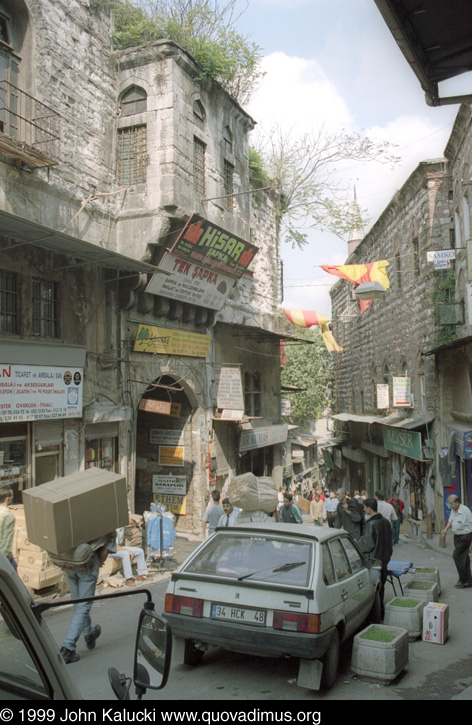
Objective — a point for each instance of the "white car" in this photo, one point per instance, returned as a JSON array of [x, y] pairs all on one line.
[[273, 590]]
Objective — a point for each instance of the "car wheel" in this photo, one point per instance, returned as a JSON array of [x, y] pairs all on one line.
[[330, 662], [375, 614], [192, 655]]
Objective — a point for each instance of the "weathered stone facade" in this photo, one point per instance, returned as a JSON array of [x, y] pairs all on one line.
[[91, 201]]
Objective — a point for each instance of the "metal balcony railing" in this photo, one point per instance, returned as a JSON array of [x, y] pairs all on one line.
[[29, 130]]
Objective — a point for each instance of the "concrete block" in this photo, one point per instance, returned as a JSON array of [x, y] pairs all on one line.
[[380, 661]]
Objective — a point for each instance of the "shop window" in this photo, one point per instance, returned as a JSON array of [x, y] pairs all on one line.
[[132, 155], [13, 463], [45, 308], [133, 101], [260, 462], [228, 177], [102, 453], [252, 394], [9, 302], [199, 153]]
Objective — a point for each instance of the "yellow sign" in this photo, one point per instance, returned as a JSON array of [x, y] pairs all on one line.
[[171, 455], [173, 502], [165, 341]]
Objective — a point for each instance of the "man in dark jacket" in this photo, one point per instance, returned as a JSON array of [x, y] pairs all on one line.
[[349, 514], [376, 542]]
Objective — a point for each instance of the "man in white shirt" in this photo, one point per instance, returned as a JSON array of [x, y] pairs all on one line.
[[230, 516], [460, 521], [214, 511], [384, 508]]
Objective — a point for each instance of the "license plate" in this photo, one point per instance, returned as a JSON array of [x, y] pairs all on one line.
[[243, 615]]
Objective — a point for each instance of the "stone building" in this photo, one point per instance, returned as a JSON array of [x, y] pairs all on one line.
[[386, 385], [139, 270]]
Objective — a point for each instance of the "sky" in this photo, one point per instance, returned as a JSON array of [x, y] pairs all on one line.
[[334, 62]]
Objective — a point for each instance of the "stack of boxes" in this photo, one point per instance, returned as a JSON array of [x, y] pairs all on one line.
[[35, 568]]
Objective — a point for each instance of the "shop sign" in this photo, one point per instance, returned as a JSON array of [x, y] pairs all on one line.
[[441, 258], [401, 392], [262, 437], [232, 415], [173, 503], [166, 436], [191, 283], [383, 397], [405, 442], [165, 341], [169, 484], [229, 390], [210, 246], [161, 407], [40, 392], [286, 407], [171, 455]]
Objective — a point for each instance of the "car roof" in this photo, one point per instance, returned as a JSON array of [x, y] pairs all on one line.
[[318, 533]]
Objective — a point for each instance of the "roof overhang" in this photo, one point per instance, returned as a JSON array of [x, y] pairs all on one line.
[[258, 334], [436, 40], [24, 232]]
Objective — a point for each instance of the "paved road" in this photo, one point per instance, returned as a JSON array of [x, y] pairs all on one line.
[[435, 672]]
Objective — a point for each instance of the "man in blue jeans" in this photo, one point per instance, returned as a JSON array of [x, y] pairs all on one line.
[[82, 582]]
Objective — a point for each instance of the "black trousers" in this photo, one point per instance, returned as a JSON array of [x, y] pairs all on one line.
[[461, 556]]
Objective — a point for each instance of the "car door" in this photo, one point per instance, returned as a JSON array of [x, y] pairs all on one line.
[[364, 593], [346, 587]]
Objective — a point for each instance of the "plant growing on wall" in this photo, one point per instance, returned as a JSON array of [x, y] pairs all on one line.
[[444, 292], [309, 367], [204, 28]]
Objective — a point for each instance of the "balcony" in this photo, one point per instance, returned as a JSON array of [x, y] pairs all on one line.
[[29, 130]]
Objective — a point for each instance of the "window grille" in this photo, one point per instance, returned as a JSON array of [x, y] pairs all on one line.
[[132, 155], [199, 149], [228, 174], [45, 308], [9, 319]]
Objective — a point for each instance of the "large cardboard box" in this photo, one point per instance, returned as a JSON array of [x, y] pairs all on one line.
[[435, 622], [73, 510], [40, 578]]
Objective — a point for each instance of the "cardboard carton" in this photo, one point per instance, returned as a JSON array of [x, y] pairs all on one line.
[[435, 622], [39, 579], [76, 509]]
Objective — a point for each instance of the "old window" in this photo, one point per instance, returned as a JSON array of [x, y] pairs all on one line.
[[199, 115], [416, 257], [133, 101], [132, 155], [9, 81], [228, 140], [199, 150], [228, 176], [9, 302], [466, 217], [398, 271], [45, 309], [252, 394]]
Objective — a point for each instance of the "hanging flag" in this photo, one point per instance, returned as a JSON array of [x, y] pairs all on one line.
[[308, 318], [360, 273]]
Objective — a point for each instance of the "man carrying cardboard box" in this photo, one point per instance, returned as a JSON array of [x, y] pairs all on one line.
[[81, 566]]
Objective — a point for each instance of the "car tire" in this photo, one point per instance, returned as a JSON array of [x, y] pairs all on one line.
[[330, 661], [192, 655], [375, 614]]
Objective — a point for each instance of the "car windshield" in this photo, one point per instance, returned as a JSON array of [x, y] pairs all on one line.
[[255, 558]]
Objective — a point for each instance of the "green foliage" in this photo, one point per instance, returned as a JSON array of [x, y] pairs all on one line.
[[257, 170], [309, 367], [201, 27], [305, 172]]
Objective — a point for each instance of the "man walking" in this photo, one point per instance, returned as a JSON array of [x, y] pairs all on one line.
[[330, 508], [317, 509], [230, 514], [398, 506], [289, 513], [214, 512], [376, 542], [460, 521], [349, 514]]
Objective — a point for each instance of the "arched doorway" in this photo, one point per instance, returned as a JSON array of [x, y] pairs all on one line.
[[165, 460]]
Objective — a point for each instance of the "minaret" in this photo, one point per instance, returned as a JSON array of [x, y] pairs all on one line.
[[356, 235]]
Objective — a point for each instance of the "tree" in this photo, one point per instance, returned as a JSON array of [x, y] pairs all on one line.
[[204, 28], [305, 172], [309, 367]]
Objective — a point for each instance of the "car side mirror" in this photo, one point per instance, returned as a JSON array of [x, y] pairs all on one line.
[[152, 657], [153, 652]]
